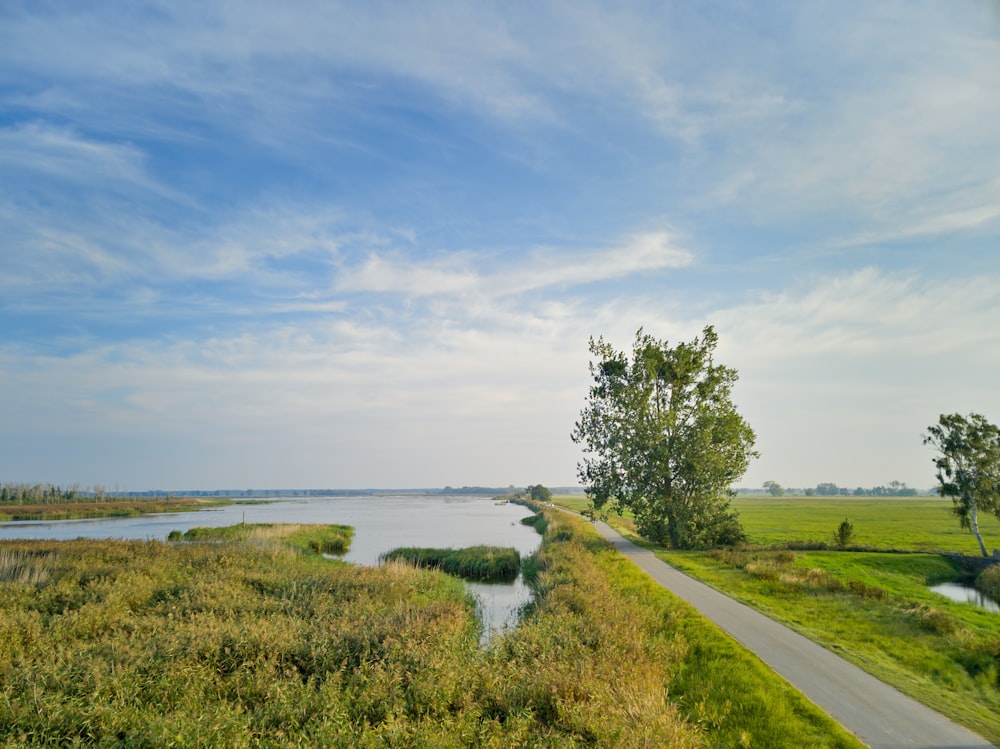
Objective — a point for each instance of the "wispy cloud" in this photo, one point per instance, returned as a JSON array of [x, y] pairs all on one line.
[[63, 153], [543, 268]]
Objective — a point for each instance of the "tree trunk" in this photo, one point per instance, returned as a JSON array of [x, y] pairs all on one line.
[[974, 518]]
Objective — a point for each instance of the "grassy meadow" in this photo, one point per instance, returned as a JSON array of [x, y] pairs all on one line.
[[869, 603], [252, 642]]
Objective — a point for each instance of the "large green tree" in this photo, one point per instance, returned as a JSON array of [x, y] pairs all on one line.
[[662, 438], [540, 493], [968, 466]]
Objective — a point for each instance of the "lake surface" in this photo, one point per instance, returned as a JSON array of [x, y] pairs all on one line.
[[380, 523], [966, 594]]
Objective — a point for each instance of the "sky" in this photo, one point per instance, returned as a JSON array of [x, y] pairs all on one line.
[[365, 244]]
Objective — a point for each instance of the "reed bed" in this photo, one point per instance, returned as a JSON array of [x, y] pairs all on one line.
[[320, 539], [482, 563], [25, 567]]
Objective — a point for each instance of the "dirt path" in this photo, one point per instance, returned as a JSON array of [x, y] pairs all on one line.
[[876, 713]]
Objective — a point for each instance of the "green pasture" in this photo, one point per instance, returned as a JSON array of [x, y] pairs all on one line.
[[910, 523], [889, 523]]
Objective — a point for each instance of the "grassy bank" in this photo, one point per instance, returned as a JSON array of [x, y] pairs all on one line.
[[248, 643], [875, 610], [482, 563], [104, 509]]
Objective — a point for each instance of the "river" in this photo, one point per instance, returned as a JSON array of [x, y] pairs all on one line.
[[380, 523]]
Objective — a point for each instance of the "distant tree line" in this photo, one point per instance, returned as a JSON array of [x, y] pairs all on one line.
[[892, 489], [50, 494], [511, 489]]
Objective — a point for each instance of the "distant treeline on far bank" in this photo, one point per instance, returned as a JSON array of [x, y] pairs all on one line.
[[40, 493], [892, 489]]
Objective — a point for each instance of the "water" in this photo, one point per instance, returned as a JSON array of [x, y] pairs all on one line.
[[966, 594], [380, 523]]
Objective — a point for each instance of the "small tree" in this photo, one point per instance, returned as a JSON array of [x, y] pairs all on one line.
[[540, 493], [844, 534], [662, 438], [774, 488], [968, 467]]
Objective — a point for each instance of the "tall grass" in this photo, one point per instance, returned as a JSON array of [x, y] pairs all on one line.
[[988, 582], [321, 539], [254, 644], [26, 567], [483, 563]]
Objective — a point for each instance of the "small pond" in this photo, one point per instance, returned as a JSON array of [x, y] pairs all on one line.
[[966, 594]]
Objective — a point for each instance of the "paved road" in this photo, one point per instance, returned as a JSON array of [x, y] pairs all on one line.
[[876, 713]]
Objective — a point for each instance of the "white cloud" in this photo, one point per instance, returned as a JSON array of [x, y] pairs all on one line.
[[380, 274], [650, 251], [545, 268]]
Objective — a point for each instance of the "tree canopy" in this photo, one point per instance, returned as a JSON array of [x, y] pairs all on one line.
[[662, 438], [540, 493], [968, 466]]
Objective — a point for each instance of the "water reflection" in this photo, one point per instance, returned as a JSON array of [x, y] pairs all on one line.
[[966, 594], [500, 604]]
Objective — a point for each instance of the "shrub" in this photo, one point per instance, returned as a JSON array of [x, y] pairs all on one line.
[[934, 620], [844, 534], [868, 591], [988, 582]]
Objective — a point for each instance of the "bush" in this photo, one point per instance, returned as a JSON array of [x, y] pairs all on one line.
[[988, 582], [844, 534], [934, 620]]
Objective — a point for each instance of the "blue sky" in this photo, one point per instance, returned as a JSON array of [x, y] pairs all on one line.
[[319, 244]]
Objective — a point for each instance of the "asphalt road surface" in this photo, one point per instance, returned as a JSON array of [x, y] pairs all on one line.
[[879, 715]]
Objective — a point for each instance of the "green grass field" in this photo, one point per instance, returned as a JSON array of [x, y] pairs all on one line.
[[890, 523], [908, 523], [872, 607]]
